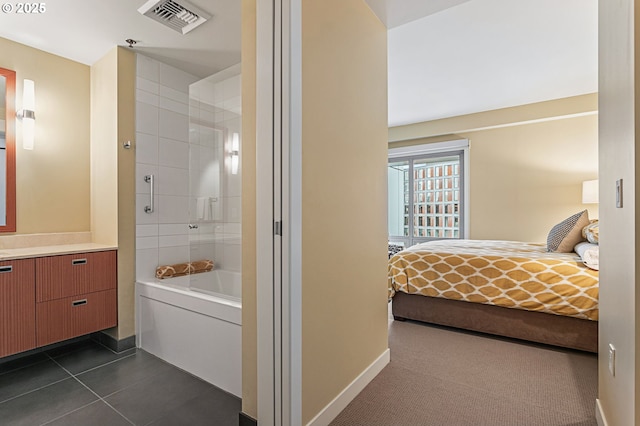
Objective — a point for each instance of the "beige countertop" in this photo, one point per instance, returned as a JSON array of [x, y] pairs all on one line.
[[52, 250]]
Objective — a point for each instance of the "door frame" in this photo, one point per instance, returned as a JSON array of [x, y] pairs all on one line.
[[279, 211]]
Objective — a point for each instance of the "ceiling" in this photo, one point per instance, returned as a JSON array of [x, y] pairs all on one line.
[[446, 57], [84, 30], [481, 55]]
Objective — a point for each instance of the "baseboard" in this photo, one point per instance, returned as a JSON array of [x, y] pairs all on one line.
[[341, 401], [246, 420], [600, 418], [113, 343]]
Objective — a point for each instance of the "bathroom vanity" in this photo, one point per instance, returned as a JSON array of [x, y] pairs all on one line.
[[55, 293]]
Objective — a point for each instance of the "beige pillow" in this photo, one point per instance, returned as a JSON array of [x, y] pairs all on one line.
[[591, 232], [564, 236]]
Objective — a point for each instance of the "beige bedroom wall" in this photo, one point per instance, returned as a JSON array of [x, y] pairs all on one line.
[[344, 149], [248, 149], [52, 181], [619, 79], [524, 175], [113, 172]]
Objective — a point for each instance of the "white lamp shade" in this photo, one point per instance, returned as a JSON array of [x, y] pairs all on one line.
[[590, 192], [28, 95], [28, 132], [28, 118], [235, 148]]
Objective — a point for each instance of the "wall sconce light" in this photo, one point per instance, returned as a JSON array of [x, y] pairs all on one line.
[[590, 192], [235, 153], [27, 114]]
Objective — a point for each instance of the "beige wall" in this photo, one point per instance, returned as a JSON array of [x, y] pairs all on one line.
[[344, 135], [619, 42], [113, 170], [248, 149], [525, 175], [52, 181]]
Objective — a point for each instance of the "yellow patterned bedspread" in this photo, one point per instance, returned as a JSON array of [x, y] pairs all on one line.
[[503, 273]]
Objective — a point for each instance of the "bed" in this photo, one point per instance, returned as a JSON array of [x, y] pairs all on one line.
[[506, 288]]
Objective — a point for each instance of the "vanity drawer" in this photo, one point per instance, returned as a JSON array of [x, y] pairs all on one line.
[[70, 317], [17, 308], [59, 277]]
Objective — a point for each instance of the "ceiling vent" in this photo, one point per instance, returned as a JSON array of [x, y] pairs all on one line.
[[179, 15]]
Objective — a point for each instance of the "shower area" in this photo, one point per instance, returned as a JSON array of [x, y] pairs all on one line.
[[188, 219]]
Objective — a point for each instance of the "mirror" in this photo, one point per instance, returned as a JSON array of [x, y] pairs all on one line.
[[7, 150]]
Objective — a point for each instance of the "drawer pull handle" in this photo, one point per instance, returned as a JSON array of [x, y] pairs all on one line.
[[79, 302], [79, 262], [8, 268]]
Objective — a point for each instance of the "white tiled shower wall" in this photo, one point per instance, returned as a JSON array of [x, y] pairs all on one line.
[[168, 143]]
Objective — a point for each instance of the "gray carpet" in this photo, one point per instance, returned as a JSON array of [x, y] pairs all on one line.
[[440, 376]]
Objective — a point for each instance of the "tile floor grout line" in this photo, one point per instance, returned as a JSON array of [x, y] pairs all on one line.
[[35, 390], [24, 366], [98, 396], [70, 412], [101, 365]]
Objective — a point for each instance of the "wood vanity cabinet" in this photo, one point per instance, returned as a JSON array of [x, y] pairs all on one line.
[[75, 295], [17, 306], [45, 300]]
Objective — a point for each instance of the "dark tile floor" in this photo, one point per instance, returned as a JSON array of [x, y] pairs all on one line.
[[85, 383]]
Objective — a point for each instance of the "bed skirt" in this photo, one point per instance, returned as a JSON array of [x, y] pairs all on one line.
[[537, 327]]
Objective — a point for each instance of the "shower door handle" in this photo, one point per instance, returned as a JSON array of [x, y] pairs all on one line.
[[149, 179]]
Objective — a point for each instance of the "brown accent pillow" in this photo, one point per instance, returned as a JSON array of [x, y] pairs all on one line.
[[564, 236]]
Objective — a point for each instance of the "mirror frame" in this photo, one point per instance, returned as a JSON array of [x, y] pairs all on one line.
[[10, 138]]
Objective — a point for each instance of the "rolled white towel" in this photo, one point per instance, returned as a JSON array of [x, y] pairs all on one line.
[[591, 258], [589, 253]]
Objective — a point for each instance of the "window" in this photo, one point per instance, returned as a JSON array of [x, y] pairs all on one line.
[[427, 192]]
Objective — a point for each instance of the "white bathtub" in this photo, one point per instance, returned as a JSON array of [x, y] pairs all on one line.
[[194, 323]]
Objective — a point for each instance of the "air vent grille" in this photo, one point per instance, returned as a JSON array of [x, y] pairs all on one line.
[[179, 15]]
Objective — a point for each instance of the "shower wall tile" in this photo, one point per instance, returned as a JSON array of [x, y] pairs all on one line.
[[173, 181], [147, 243], [233, 209], [233, 183], [147, 85], [171, 105], [173, 125], [218, 257], [147, 68], [147, 230], [170, 255], [232, 228], [146, 148], [147, 98], [173, 209], [173, 153], [233, 257], [146, 118], [146, 263], [174, 240], [173, 229], [204, 251], [175, 95]]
